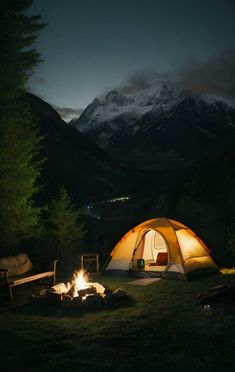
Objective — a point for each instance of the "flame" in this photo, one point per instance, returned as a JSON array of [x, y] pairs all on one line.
[[79, 280]]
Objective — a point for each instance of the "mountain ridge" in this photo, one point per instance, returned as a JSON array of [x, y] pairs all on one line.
[[175, 126], [73, 160]]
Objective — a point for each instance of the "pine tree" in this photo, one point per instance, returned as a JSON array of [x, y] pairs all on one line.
[[17, 33], [63, 219], [19, 138]]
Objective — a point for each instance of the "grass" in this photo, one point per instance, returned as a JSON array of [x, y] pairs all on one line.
[[164, 328]]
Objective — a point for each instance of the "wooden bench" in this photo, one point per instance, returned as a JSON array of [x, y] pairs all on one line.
[[33, 271]]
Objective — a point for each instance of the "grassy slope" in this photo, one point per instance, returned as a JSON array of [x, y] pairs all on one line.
[[164, 328]]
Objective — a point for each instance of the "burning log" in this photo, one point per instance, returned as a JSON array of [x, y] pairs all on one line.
[[86, 291], [99, 288], [73, 291], [59, 288]]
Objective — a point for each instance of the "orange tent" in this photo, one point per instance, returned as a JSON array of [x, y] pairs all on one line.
[[160, 247]]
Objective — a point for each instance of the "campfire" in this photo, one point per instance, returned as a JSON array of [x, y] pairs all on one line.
[[79, 292]]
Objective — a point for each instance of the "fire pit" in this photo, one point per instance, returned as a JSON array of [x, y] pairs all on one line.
[[79, 292]]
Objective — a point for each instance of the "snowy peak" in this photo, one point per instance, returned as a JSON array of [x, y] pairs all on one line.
[[158, 123], [115, 104], [118, 98]]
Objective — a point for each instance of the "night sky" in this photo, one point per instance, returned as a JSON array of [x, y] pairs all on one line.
[[92, 46]]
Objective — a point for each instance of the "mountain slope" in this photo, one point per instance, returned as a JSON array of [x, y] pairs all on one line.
[[73, 160], [158, 128]]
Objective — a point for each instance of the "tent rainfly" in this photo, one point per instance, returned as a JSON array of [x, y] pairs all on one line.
[[160, 248]]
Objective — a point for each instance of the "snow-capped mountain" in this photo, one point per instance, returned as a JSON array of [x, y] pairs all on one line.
[[158, 126], [115, 109]]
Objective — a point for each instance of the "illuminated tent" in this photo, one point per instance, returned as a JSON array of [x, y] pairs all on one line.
[[160, 247]]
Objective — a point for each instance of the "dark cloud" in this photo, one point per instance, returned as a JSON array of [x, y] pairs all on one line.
[[68, 113], [138, 81], [143, 80], [214, 76]]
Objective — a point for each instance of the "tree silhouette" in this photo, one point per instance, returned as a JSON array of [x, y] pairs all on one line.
[[19, 137], [63, 219]]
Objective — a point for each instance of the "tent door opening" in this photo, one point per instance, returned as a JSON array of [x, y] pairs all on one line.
[[151, 253]]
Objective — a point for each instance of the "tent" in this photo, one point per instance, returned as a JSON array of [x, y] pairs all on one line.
[[160, 248]]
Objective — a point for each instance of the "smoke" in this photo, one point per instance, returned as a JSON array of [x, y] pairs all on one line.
[[214, 76]]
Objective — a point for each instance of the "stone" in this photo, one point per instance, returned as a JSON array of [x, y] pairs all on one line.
[[108, 299], [39, 297], [66, 300], [53, 298], [77, 302], [93, 301], [107, 289], [119, 293]]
